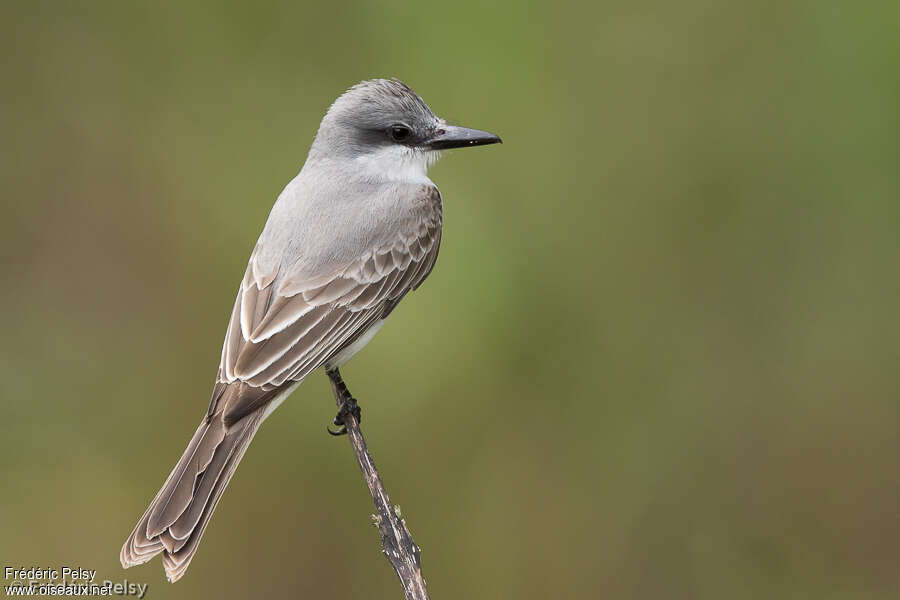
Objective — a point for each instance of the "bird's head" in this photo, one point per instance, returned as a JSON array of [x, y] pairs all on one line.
[[383, 125]]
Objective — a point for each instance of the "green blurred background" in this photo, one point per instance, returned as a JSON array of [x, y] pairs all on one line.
[[658, 357]]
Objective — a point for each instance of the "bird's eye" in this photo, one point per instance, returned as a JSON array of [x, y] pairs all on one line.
[[399, 133]]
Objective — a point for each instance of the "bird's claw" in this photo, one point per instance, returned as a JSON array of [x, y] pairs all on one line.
[[348, 407], [342, 430]]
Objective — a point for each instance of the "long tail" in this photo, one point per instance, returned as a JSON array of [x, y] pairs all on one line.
[[176, 518]]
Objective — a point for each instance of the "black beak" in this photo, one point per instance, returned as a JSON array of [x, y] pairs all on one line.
[[451, 136]]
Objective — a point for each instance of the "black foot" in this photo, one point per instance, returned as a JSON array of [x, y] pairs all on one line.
[[348, 407]]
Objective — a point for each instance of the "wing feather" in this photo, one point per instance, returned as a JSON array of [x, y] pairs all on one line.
[[284, 311], [256, 356], [331, 319]]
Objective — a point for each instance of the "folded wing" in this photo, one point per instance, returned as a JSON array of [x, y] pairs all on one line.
[[280, 333]]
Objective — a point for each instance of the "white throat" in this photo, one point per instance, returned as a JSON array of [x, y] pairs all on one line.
[[396, 163]]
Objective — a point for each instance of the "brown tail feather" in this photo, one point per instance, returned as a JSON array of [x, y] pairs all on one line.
[[176, 518]]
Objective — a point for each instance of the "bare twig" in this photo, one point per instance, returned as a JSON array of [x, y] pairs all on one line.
[[397, 543]]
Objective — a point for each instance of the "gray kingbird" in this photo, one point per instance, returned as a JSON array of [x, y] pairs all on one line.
[[349, 236]]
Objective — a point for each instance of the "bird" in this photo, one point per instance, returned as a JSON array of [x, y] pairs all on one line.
[[356, 230]]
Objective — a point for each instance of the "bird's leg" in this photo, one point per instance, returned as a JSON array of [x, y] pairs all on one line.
[[346, 401]]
